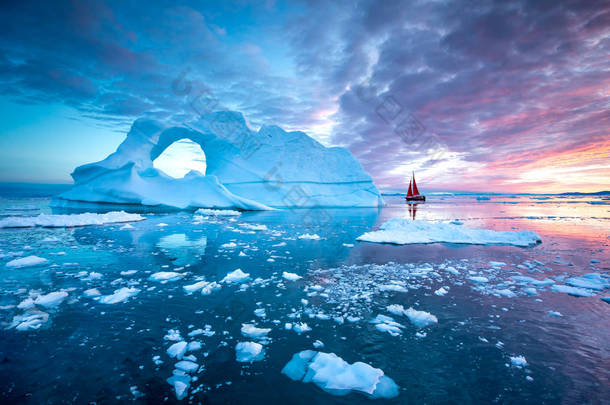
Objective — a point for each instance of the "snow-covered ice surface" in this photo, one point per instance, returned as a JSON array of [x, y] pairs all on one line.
[[148, 307], [403, 231]]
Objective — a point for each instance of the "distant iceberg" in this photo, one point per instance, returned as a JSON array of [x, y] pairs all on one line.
[[246, 170], [402, 231]]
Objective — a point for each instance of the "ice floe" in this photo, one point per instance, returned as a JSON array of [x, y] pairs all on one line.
[[120, 295], [251, 331], [52, 299], [246, 352], [72, 220], [28, 261], [290, 276], [405, 231], [236, 276], [217, 213], [165, 276], [335, 376]]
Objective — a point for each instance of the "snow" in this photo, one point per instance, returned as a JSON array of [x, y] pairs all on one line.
[[402, 231], [236, 276], [291, 276], [73, 220], [29, 261], [52, 299], [246, 352], [246, 170], [165, 276], [251, 331], [335, 376], [120, 295]]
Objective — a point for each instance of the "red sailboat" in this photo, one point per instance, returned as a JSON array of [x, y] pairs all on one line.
[[413, 193]]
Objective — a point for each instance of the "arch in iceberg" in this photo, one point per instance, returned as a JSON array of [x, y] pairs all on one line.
[[249, 170]]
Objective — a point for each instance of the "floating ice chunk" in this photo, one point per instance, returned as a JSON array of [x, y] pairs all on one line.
[[318, 344], [575, 291], [387, 324], [91, 293], [193, 346], [165, 276], [260, 312], [229, 245], [392, 287], [181, 384], [173, 335], [518, 361], [314, 236], [335, 376], [505, 292], [479, 279], [191, 288], [52, 299], [128, 272], [420, 318], [30, 320], [126, 227], [396, 309], [441, 291], [236, 276], [291, 276], [187, 366], [251, 331], [217, 213], [210, 288], [452, 270], [177, 350], [246, 352], [60, 221], [254, 227], [402, 231], [555, 313], [26, 304], [120, 295], [29, 261], [301, 327], [593, 281], [497, 264]]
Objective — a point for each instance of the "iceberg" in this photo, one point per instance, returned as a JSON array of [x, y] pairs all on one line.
[[335, 376], [246, 170], [401, 231]]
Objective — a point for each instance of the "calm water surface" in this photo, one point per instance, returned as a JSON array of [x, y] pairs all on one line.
[[90, 352]]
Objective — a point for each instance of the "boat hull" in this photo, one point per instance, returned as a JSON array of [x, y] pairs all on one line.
[[416, 198]]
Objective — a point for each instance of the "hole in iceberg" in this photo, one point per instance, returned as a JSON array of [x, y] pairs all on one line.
[[180, 158]]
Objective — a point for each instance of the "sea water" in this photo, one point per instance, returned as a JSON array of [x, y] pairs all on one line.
[[470, 323]]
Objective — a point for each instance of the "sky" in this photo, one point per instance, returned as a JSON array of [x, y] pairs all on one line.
[[499, 96]]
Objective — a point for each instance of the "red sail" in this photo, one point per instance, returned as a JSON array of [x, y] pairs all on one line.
[[410, 193], [415, 190]]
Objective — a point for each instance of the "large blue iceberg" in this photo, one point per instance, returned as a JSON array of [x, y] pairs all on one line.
[[246, 169]]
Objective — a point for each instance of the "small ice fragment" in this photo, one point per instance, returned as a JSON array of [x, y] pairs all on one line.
[[164, 276], [314, 236], [177, 350], [120, 295], [51, 300], [29, 261], [518, 361], [187, 366], [301, 327], [479, 279], [420, 318], [236, 276], [251, 331], [291, 276], [248, 352], [318, 344], [440, 292]]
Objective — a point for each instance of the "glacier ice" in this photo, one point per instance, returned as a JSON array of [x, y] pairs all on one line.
[[246, 169], [335, 376]]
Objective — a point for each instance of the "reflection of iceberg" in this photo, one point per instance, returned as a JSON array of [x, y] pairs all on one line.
[[245, 169], [185, 251]]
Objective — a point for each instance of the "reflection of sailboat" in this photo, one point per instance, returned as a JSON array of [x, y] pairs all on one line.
[[413, 193], [412, 210]]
